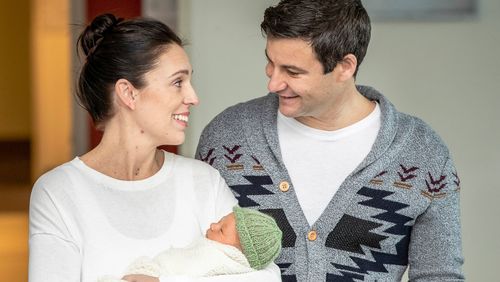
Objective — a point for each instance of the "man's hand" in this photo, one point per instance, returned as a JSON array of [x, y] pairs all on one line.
[[140, 278]]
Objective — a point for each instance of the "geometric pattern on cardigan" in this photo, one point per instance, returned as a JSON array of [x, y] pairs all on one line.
[[398, 228]]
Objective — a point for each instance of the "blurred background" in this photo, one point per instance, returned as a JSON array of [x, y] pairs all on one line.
[[442, 66]]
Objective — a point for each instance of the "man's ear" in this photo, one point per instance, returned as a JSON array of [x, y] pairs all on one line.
[[126, 93], [347, 67]]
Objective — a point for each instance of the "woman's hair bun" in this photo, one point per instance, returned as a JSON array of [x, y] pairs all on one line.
[[95, 31]]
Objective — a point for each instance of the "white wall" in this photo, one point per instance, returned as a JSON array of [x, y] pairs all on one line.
[[447, 73], [226, 49]]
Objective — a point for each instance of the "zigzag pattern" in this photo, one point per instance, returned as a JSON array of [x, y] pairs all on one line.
[[345, 277], [286, 277], [254, 188], [289, 237], [391, 208], [401, 257]]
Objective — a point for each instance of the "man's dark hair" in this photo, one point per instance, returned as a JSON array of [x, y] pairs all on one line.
[[334, 28]]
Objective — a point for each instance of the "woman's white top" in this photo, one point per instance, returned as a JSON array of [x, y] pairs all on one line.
[[84, 224]]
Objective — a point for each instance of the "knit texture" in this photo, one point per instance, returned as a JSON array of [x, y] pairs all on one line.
[[202, 258], [260, 236], [399, 208]]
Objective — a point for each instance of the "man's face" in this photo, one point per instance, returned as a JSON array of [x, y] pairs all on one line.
[[297, 77]]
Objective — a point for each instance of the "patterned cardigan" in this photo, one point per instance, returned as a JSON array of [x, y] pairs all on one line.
[[398, 208]]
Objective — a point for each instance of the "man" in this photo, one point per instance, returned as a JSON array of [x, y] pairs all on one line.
[[359, 189]]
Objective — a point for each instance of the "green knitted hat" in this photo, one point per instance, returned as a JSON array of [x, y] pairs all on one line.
[[260, 236]]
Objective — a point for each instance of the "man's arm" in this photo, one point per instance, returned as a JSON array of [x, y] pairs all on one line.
[[435, 251], [205, 144]]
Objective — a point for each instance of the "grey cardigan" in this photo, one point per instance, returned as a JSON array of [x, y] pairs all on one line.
[[399, 207]]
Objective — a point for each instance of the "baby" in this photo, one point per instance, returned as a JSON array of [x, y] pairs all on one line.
[[242, 241]]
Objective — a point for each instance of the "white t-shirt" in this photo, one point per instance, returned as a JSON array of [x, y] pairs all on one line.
[[84, 224], [318, 161]]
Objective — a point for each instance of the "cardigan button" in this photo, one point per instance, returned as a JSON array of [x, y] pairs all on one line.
[[284, 186], [312, 235]]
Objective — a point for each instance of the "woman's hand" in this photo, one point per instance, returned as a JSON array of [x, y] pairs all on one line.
[[140, 278]]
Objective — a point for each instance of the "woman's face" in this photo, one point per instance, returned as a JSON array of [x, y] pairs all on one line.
[[162, 106]]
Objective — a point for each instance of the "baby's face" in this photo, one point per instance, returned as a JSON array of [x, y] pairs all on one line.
[[225, 231]]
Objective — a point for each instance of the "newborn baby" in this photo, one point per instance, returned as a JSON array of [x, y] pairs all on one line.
[[242, 241]]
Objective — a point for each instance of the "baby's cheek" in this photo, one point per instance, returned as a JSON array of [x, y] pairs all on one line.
[[212, 235]]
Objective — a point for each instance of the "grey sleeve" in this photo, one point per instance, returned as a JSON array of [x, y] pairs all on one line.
[[203, 146], [210, 144], [435, 251]]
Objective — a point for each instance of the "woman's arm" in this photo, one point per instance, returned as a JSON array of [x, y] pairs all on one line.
[[269, 274], [52, 259], [53, 256]]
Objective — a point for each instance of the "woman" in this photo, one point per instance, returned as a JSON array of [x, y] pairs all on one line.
[[125, 198]]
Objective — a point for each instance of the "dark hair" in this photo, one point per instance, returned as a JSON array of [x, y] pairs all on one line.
[[334, 28], [115, 48]]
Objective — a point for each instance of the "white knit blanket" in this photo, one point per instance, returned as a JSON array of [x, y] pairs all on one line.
[[202, 258]]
